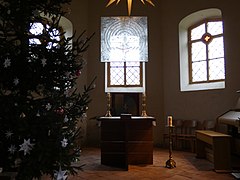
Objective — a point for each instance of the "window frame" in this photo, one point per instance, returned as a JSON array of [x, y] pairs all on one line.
[[125, 78], [64, 23], [184, 24], [205, 21], [121, 88]]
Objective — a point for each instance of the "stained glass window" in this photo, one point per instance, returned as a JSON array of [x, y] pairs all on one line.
[[206, 47]]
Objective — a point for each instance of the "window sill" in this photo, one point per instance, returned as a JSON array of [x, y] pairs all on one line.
[[125, 89], [202, 86]]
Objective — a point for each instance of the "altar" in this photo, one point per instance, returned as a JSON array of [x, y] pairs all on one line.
[[126, 140]]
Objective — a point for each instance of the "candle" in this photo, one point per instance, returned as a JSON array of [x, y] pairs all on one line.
[[170, 121]]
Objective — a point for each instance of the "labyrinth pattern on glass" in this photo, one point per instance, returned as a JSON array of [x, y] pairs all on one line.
[[124, 39]]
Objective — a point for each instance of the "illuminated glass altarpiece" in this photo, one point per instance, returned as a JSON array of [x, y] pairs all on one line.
[[124, 39]]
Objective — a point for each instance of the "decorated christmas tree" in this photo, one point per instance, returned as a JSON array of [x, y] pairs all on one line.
[[40, 104]]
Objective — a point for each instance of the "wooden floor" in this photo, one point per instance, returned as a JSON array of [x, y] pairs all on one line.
[[188, 167]]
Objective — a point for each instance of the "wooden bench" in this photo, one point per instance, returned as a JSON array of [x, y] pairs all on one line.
[[215, 147]]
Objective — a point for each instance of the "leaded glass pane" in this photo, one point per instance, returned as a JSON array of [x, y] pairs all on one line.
[[215, 48], [207, 52], [215, 28], [124, 39], [55, 36], [198, 51], [34, 41], [116, 73], [197, 32], [132, 73], [36, 28], [216, 69], [199, 71]]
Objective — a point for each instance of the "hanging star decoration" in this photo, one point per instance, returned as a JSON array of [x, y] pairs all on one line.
[[7, 63], [9, 134], [48, 106], [12, 149], [64, 142], [66, 119], [16, 81], [60, 175], [44, 62], [26, 146], [129, 3]]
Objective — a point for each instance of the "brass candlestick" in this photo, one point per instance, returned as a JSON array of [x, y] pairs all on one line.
[[144, 111], [108, 113], [170, 163]]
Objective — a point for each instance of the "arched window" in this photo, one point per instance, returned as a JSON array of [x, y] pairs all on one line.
[[37, 29], [40, 31], [201, 42], [205, 42], [43, 34]]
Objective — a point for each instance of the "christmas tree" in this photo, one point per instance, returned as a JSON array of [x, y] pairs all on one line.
[[39, 102]]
